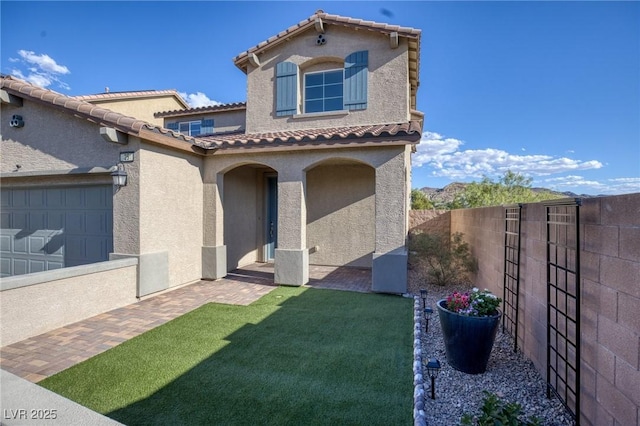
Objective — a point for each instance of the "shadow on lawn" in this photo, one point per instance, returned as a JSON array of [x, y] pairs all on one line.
[[309, 357]]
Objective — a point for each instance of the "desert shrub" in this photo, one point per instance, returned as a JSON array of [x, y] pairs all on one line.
[[495, 411], [420, 201], [447, 261]]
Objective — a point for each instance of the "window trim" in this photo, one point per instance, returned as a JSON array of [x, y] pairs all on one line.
[[304, 91], [175, 126], [335, 113], [289, 79]]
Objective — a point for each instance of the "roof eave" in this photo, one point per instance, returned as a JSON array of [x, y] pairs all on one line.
[[136, 128], [242, 59], [315, 144]]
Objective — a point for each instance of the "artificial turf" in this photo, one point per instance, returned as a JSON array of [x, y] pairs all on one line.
[[297, 356]]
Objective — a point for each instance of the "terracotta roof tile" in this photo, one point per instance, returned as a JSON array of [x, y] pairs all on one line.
[[410, 131], [241, 59], [211, 108], [84, 109], [412, 34]]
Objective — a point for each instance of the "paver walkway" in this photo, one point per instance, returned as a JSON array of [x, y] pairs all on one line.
[[41, 356]]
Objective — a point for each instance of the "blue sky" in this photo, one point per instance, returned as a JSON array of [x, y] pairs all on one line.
[[547, 89]]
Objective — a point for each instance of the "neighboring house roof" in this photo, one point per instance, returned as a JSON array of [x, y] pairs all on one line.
[[133, 95], [96, 114], [235, 106], [412, 34], [376, 134]]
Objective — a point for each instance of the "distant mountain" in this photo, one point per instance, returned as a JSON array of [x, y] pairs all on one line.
[[448, 193]]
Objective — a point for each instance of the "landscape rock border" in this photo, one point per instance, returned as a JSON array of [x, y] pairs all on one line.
[[510, 375]]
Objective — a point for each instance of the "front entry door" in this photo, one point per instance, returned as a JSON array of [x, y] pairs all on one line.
[[272, 218]]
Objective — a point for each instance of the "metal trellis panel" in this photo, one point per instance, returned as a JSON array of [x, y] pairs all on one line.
[[511, 288], [563, 303]]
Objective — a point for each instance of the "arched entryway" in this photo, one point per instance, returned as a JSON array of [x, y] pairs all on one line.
[[250, 204], [340, 203]]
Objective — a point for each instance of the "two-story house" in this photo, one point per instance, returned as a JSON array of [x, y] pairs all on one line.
[[313, 169]]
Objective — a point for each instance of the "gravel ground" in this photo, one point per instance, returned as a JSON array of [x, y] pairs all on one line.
[[509, 375]]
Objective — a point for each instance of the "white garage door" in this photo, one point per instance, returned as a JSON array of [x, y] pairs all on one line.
[[50, 228]]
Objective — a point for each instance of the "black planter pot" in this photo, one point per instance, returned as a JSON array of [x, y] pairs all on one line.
[[468, 340]]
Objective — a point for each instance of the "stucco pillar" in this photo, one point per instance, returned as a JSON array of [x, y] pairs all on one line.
[[389, 270], [291, 256], [214, 252]]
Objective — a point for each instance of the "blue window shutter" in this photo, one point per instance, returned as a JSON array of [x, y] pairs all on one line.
[[286, 89], [206, 126], [355, 80], [172, 126]]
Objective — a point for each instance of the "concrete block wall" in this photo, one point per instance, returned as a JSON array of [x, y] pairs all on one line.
[[610, 295], [430, 221], [610, 260]]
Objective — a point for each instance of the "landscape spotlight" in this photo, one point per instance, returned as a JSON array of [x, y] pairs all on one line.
[[428, 311], [433, 368], [423, 295]]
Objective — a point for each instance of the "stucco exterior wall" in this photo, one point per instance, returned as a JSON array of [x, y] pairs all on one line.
[[126, 205], [141, 108], [52, 140], [242, 215], [35, 309], [388, 79], [341, 214], [294, 169], [170, 186]]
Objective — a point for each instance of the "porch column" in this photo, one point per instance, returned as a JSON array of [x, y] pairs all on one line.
[[214, 252], [389, 269], [291, 256]]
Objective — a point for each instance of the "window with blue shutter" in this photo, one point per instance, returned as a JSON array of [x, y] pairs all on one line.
[[355, 80], [286, 89], [206, 128], [192, 128]]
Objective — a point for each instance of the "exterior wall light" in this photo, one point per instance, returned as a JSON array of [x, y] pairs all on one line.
[[433, 368], [119, 176], [16, 121]]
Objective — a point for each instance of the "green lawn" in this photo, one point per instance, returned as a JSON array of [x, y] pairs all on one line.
[[296, 356]]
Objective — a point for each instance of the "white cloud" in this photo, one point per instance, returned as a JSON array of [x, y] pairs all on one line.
[[609, 186], [445, 159], [43, 62], [39, 69], [198, 99]]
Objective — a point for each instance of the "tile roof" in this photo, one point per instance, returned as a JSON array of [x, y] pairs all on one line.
[[94, 113], [412, 34], [132, 94], [301, 26], [410, 131], [378, 134], [235, 106]]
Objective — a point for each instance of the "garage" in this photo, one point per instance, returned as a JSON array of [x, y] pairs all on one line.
[[47, 228]]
